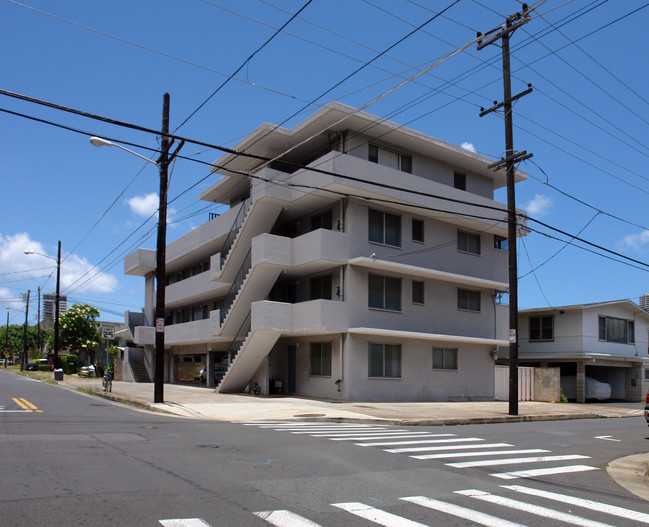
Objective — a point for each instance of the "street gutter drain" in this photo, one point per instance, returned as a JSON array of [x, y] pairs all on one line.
[[309, 415], [207, 446]]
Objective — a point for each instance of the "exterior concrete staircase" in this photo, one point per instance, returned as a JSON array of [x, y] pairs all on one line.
[[139, 371]]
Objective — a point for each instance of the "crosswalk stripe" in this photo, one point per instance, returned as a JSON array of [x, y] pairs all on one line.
[[461, 512], [514, 461], [284, 518], [368, 433], [543, 472], [446, 455], [532, 509], [596, 506], [418, 440], [185, 522], [437, 442], [310, 430], [368, 436], [378, 516], [456, 447]]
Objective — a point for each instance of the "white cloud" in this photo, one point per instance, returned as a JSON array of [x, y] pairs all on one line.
[[635, 241], [539, 206], [468, 146], [25, 267], [145, 205]]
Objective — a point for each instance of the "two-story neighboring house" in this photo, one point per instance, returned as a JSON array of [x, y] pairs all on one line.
[[364, 262], [606, 341]]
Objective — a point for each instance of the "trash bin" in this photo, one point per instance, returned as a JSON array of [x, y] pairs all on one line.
[[58, 375]]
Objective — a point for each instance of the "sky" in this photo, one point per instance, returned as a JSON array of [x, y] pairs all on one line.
[[586, 123]]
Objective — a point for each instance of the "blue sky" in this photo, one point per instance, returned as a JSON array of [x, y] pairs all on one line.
[[586, 122]]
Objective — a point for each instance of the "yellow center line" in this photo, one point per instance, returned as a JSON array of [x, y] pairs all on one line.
[[26, 405]]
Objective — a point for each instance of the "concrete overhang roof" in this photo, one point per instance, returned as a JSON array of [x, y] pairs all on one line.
[[270, 141], [437, 337], [422, 272]]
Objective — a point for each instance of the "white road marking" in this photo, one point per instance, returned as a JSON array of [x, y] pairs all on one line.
[[597, 506], [456, 447], [368, 433], [378, 516], [607, 438], [514, 461], [543, 472], [461, 512], [417, 440], [487, 453], [284, 518], [365, 437], [532, 509], [438, 442], [185, 522]]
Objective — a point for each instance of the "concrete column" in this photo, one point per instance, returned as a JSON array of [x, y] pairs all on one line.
[[210, 370], [633, 384], [581, 382], [149, 298]]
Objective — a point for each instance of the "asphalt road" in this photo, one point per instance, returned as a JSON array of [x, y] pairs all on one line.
[[72, 459]]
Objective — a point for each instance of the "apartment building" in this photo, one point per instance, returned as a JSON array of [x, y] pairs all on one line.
[[362, 261]]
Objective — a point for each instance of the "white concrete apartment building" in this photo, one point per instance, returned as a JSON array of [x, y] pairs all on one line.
[[334, 280]]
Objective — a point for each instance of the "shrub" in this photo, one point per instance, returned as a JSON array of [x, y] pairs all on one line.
[[69, 363]]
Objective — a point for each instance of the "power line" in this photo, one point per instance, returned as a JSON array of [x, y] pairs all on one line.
[[242, 65]]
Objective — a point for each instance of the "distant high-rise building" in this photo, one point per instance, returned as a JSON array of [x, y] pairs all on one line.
[[49, 305], [644, 302]]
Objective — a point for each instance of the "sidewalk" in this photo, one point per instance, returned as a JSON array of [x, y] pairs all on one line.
[[203, 403]]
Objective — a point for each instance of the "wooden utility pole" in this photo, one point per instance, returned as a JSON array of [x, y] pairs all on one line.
[[508, 162], [163, 164], [23, 359]]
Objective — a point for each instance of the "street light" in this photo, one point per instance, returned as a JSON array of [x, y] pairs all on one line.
[[163, 165], [98, 142], [56, 300]]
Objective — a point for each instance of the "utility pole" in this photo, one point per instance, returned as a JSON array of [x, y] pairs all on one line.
[[163, 164], [23, 360], [57, 301], [7, 340], [508, 162], [38, 336]]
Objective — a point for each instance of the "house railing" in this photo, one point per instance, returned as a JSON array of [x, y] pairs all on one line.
[[236, 225], [238, 340], [236, 284]]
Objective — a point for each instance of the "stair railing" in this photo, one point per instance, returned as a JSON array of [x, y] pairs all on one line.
[[236, 225], [236, 285]]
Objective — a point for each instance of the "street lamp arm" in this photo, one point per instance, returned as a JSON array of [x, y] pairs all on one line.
[[99, 142], [41, 254]]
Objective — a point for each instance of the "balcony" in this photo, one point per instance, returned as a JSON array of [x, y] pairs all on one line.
[[193, 290], [305, 318]]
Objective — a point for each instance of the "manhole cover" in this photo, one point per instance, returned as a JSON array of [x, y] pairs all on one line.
[[309, 415]]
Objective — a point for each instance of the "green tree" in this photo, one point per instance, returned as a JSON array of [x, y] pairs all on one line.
[[15, 340], [78, 329]]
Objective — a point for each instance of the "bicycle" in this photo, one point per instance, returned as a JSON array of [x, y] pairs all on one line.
[[107, 382]]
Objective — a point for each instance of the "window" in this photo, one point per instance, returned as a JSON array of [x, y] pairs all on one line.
[[444, 359], [468, 300], [501, 243], [384, 228], [390, 158], [616, 330], [384, 292], [459, 180], [384, 360], [541, 328], [320, 287], [320, 359], [468, 242], [417, 230], [417, 292]]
